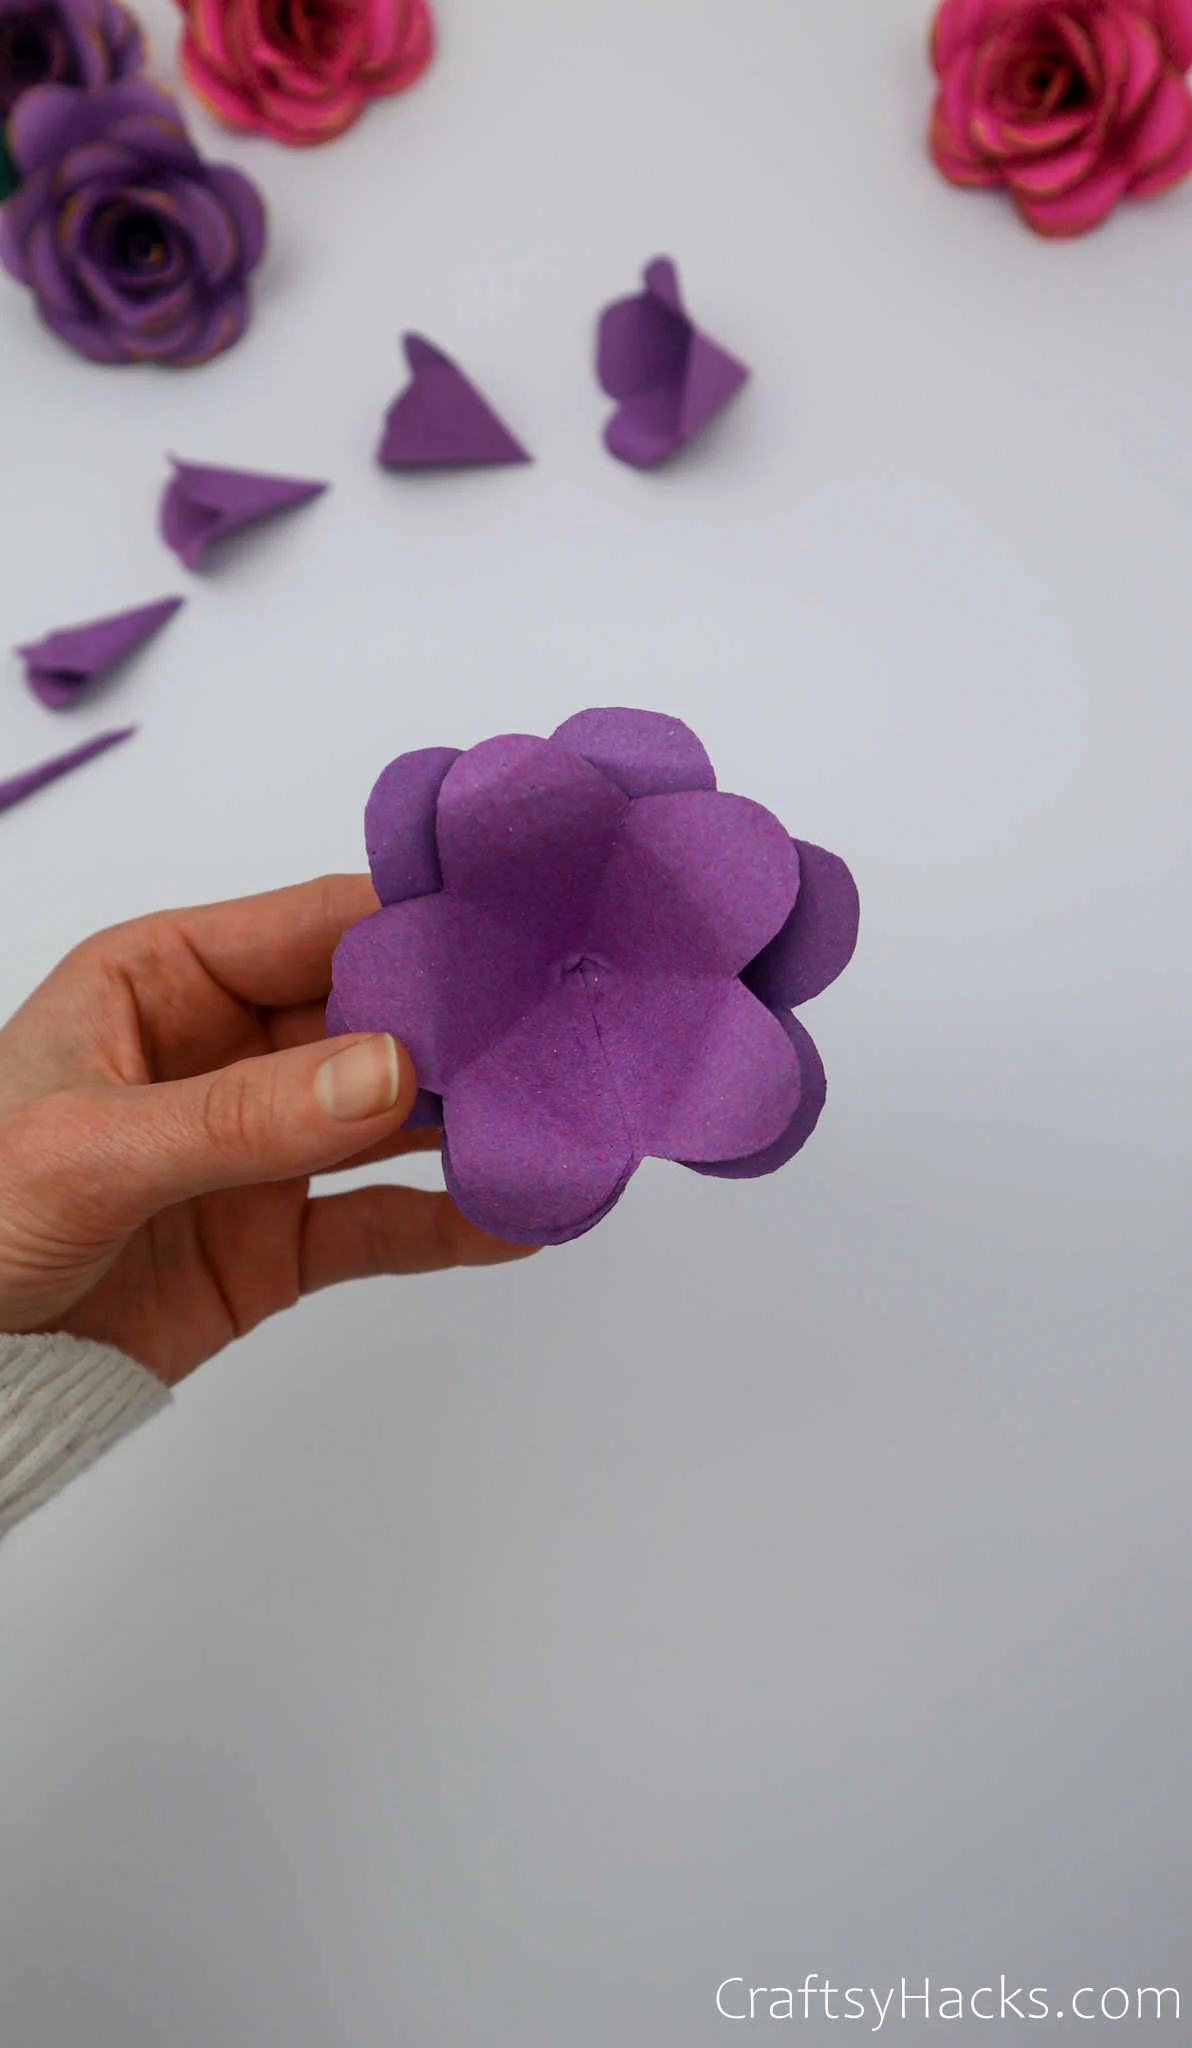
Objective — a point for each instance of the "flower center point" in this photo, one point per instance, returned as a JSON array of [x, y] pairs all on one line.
[[582, 967]]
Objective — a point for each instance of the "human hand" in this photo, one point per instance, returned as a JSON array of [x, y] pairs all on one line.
[[164, 1097]]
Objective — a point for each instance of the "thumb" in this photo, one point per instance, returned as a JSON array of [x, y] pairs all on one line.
[[269, 1119]]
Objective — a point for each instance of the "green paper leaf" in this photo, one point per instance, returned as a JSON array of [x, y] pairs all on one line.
[[9, 177]]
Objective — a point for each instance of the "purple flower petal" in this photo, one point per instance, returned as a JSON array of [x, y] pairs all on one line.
[[527, 828], [54, 119], [537, 1144], [48, 276], [399, 825], [818, 939], [99, 161], [122, 34], [643, 752], [163, 145], [693, 885], [444, 975], [500, 1226], [153, 321], [243, 202], [75, 224], [88, 338], [812, 1095], [211, 230], [701, 1069], [43, 123], [220, 328]]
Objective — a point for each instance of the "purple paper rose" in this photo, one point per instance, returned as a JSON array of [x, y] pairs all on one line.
[[592, 955], [135, 248], [64, 42]]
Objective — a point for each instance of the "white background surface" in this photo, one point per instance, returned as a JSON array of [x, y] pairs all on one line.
[[789, 1576]]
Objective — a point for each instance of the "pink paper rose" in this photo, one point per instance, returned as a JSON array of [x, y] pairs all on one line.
[[1068, 103], [302, 70]]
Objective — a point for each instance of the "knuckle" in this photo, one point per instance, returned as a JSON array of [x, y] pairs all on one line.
[[235, 1113], [100, 951], [374, 1231]]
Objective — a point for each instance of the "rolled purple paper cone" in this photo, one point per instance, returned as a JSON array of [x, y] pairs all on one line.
[[18, 787], [60, 667], [200, 504]]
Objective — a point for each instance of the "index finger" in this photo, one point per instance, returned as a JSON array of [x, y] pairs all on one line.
[[275, 949]]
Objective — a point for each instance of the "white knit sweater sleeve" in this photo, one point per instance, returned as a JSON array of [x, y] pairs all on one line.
[[62, 1402]]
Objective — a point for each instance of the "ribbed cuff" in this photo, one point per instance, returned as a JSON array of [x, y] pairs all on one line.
[[63, 1402]]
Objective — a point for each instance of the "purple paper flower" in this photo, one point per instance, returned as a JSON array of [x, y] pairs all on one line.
[[135, 248], [592, 955], [64, 42]]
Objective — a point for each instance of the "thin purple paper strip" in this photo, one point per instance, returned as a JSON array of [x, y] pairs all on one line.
[[60, 667], [200, 504], [18, 787], [668, 377], [441, 420]]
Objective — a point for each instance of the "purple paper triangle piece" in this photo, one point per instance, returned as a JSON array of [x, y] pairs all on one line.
[[713, 377], [59, 668], [668, 377], [20, 786], [440, 420], [200, 505]]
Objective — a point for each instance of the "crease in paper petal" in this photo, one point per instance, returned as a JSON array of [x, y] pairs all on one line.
[[537, 1140], [643, 752]]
